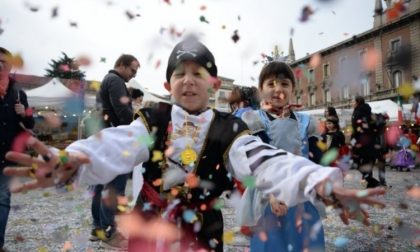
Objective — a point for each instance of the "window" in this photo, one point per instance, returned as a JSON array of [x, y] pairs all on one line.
[[362, 54], [362, 57], [326, 70], [365, 85], [395, 45], [298, 100], [327, 96], [297, 83], [396, 79], [312, 98], [311, 76], [346, 92]]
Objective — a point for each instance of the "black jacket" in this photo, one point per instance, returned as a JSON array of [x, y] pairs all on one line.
[[115, 111], [10, 122], [361, 119]]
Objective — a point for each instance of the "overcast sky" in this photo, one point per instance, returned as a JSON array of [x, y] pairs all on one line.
[[102, 29]]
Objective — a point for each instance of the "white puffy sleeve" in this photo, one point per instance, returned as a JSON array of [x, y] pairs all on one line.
[[288, 177], [112, 152]]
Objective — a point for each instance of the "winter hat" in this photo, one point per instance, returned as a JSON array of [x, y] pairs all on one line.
[[191, 49]]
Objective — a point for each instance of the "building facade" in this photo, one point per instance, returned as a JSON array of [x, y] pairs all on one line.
[[372, 64]]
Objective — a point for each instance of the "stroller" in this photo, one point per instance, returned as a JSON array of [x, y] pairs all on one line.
[[403, 159]]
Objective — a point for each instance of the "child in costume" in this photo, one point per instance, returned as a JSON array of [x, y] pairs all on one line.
[[298, 227], [189, 164]]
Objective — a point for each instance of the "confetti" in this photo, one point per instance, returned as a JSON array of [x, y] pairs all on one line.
[[315, 60], [414, 192], [54, 12], [235, 37], [189, 216], [341, 242], [249, 181], [157, 156], [306, 13], [362, 194], [203, 19], [73, 24], [83, 60], [192, 180], [329, 157], [228, 237]]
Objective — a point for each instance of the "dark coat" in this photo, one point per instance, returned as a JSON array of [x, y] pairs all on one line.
[[116, 112], [10, 122], [362, 132]]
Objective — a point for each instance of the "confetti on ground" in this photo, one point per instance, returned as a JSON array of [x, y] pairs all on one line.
[[228, 237], [341, 242]]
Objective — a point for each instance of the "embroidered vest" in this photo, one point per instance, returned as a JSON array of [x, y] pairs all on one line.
[[210, 165]]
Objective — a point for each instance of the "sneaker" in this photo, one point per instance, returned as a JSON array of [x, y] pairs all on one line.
[[115, 242]]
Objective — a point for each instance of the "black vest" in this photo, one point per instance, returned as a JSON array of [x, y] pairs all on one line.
[[211, 161]]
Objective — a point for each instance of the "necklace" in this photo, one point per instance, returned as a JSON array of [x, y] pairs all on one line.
[[189, 130]]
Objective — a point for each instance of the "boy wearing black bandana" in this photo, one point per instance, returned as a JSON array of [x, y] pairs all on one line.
[[195, 152]]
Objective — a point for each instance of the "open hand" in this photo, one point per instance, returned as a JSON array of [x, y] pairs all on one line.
[[348, 201], [50, 170]]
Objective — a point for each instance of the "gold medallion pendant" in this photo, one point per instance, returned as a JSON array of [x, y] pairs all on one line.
[[188, 156]]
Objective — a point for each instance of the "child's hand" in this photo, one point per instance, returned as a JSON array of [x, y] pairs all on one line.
[[349, 200], [279, 208], [51, 170]]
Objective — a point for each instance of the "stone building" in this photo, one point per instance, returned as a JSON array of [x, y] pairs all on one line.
[[347, 68]]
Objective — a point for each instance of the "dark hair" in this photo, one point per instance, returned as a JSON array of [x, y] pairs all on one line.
[[359, 100], [136, 93], [247, 95], [277, 69], [125, 60], [331, 111], [334, 120], [5, 51]]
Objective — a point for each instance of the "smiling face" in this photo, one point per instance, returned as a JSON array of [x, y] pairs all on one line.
[[276, 92], [330, 126], [191, 86]]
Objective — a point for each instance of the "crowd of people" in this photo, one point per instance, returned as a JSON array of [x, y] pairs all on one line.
[[184, 155]]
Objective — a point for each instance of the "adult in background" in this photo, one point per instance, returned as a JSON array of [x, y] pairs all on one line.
[[15, 118], [363, 140], [117, 110]]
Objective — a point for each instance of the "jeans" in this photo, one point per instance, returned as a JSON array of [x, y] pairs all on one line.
[[104, 210], [4, 205]]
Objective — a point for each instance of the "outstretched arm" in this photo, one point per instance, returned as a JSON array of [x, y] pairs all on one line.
[[96, 160], [293, 179]]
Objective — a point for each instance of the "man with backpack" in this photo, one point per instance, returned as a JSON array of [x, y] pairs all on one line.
[[15, 119]]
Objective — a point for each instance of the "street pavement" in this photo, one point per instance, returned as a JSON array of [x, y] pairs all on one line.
[[45, 221]]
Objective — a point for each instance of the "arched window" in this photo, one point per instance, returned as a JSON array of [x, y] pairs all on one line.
[[396, 79]]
